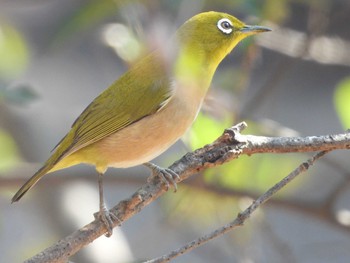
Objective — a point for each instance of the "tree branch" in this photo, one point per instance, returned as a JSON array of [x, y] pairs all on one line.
[[226, 148], [243, 216]]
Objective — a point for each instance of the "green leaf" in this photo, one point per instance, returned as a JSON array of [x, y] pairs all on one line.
[[253, 174], [13, 52], [205, 130], [342, 102], [8, 152]]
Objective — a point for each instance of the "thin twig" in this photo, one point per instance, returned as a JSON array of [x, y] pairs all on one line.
[[243, 216]]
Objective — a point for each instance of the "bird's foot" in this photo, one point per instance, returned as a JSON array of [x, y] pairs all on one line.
[[167, 175], [107, 219]]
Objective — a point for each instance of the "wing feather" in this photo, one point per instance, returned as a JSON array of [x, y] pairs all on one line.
[[140, 92]]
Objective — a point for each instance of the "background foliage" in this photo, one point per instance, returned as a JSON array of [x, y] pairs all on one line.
[[56, 56]]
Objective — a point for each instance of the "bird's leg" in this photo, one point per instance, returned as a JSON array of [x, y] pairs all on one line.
[[104, 215], [165, 174]]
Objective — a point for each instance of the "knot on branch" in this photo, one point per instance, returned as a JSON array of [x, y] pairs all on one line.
[[233, 134], [227, 147]]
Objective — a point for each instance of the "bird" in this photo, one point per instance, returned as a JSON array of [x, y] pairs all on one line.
[[150, 106]]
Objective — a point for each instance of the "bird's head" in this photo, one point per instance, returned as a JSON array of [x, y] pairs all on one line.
[[214, 35]]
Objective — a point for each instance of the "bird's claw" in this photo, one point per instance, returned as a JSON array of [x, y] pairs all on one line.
[[107, 219], [166, 175]]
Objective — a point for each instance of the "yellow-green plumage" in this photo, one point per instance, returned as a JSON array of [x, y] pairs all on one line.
[[151, 106]]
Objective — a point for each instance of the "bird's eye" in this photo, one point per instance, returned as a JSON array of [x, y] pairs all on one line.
[[225, 25]]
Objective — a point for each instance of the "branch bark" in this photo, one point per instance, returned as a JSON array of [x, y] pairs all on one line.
[[227, 147]]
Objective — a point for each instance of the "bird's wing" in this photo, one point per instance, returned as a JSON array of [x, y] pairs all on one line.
[[140, 92]]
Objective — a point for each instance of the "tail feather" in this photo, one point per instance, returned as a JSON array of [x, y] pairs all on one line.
[[51, 165], [31, 182]]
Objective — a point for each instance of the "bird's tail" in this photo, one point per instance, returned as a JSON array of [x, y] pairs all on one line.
[[31, 182], [50, 165]]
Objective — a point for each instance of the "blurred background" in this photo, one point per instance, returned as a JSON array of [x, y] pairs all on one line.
[[56, 56]]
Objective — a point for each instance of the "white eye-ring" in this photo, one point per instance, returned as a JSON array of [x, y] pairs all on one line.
[[225, 25]]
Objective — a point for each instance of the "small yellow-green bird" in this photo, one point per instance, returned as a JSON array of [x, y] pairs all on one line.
[[149, 107]]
